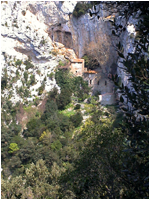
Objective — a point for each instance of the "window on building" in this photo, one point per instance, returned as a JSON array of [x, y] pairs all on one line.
[[90, 82], [98, 83], [105, 82]]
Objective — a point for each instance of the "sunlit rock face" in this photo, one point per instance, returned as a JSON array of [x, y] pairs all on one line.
[[25, 37], [56, 15], [77, 33]]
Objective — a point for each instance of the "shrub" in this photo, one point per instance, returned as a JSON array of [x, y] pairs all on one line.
[[61, 63], [81, 8], [18, 62], [6, 24], [43, 41], [51, 75], [38, 72], [3, 83], [27, 27], [37, 114], [25, 76], [28, 64], [21, 89], [54, 52], [76, 119], [32, 79], [26, 93], [41, 89], [17, 72], [36, 101], [23, 12], [77, 107], [56, 145]]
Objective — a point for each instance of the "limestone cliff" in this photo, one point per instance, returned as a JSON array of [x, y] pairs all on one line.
[[44, 31], [29, 57]]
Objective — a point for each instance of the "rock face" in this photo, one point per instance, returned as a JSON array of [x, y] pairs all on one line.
[[127, 40], [56, 16], [76, 33], [41, 33], [28, 55]]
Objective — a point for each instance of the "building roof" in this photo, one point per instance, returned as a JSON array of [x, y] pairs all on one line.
[[90, 72], [77, 60]]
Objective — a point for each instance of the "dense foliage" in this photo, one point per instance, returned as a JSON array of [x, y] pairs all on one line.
[[81, 8], [90, 62], [50, 131], [135, 105]]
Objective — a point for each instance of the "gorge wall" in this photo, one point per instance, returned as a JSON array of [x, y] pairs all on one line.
[[35, 28], [77, 33], [83, 34]]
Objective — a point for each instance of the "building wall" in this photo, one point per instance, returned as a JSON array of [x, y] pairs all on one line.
[[90, 78], [103, 85], [99, 83], [77, 67], [107, 99], [62, 37]]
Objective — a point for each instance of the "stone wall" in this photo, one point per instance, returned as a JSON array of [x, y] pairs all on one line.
[[99, 82], [63, 37], [107, 99], [77, 67]]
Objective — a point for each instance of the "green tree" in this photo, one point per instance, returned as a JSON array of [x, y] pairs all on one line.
[[50, 109], [64, 98], [56, 145], [26, 152], [76, 119], [34, 184], [90, 62], [13, 188], [34, 127], [13, 147], [94, 173]]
